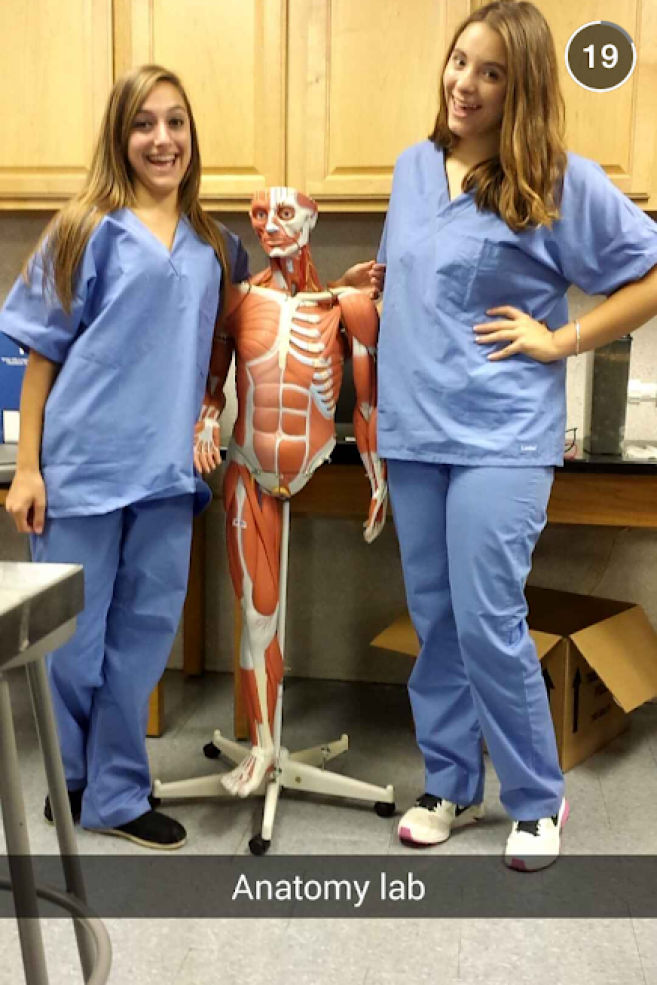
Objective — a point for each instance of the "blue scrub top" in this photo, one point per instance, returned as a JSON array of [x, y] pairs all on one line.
[[440, 399], [134, 353]]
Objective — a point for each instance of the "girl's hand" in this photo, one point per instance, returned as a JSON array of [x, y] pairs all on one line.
[[377, 278], [522, 333], [26, 501]]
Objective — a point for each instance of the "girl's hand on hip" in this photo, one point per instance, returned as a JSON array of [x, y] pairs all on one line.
[[26, 501], [522, 333]]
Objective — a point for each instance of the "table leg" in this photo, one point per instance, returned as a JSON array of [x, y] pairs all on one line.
[[194, 615], [18, 847], [155, 726], [61, 811]]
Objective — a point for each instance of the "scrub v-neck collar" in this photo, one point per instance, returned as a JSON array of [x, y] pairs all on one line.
[[449, 208], [156, 239], [451, 200]]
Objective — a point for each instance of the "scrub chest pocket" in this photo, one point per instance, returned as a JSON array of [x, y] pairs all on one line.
[[456, 263]]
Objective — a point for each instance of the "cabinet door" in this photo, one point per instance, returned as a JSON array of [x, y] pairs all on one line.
[[230, 55], [363, 84], [56, 58], [616, 129]]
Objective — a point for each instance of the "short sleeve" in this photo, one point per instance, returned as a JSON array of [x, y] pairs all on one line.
[[238, 258], [603, 240], [382, 254], [34, 318]]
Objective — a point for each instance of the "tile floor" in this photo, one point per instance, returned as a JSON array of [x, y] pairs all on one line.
[[614, 811]]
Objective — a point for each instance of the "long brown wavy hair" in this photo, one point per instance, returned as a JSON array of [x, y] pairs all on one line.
[[108, 186], [523, 184]]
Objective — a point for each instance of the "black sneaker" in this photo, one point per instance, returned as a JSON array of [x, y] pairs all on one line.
[[74, 799], [151, 830]]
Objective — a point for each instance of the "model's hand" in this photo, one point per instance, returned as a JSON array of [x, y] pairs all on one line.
[[522, 333], [26, 501], [206, 441], [377, 514], [366, 276]]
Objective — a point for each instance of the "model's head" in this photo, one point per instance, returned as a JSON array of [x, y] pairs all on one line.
[[147, 142], [500, 75], [283, 219]]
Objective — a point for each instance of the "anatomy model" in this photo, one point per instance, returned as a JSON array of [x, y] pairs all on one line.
[[290, 339]]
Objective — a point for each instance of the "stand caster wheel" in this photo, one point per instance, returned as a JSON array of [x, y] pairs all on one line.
[[384, 810], [211, 751], [258, 845]]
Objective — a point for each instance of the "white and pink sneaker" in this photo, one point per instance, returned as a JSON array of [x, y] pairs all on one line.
[[431, 821], [534, 845]]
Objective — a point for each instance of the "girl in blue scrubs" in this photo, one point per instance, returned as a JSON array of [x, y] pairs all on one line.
[[490, 222], [117, 306]]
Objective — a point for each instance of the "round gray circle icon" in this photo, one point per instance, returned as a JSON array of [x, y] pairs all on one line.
[[600, 56]]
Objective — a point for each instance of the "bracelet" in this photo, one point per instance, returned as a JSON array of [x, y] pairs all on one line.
[[577, 337]]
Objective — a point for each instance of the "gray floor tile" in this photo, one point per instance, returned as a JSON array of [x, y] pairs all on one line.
[[570, 952], [645, 933], [401, 976], [612, 797], [206, 968], [330, 951], [149, 952], [408, 948]]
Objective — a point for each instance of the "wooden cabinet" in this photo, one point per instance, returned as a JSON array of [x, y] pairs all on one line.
[[318, 94], [231, 57], [616, 129], [60, 58], [56, 58], [363, 84], [364, 81]]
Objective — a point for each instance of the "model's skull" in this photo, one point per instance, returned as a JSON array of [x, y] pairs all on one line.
[[282, 219]]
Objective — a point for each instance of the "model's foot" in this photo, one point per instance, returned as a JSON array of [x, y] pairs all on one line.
[[534, 845], [249, 774], [75, 801], [431, 821], [150, 830]]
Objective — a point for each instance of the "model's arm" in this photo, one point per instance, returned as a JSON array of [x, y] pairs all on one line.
[[207, 436], [362, 323], [26, 499], [368, 276], [207, 453], [625, 311]]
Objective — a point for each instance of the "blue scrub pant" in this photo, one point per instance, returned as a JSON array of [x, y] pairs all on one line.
[[466, 536], [136, 564]]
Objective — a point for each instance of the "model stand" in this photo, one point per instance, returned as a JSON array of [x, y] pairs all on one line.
[[300, 771]]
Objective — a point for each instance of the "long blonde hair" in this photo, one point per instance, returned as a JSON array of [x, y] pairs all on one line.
[[108, 187], [522, 185]]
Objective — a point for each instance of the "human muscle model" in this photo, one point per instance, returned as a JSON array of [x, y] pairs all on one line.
[[290, 339]]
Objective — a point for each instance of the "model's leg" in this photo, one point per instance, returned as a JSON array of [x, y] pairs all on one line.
[[253, 528], [446, 724], [142, 621], [75, 671], [494, 518]]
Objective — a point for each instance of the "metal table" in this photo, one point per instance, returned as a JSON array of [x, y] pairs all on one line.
[[38, 607]]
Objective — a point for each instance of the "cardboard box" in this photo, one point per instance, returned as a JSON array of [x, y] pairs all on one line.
[[12, 369], [599, 660]]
